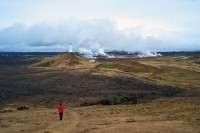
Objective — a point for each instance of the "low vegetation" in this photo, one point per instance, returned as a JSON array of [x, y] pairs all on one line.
[[114, 65], [177, 76]]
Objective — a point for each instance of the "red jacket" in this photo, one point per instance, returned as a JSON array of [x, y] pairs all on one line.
[[60, 109]]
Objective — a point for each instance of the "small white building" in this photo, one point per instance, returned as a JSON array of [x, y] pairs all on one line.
[[70, 48]]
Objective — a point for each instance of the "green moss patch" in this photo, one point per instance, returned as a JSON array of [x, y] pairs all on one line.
[[178, 75]]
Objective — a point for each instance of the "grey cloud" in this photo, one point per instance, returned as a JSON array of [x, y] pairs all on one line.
[[81, 33]]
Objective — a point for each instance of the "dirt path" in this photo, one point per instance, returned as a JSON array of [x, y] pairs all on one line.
[[67, 125]]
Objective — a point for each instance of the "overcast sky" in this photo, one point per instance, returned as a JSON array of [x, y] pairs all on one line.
[[50, 25]]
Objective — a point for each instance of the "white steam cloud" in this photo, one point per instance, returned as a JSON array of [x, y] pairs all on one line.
[[148, 54], [101, 52], [85, 51], [94, 50]]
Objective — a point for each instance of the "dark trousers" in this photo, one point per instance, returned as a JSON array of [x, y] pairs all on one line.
[[61, 116]]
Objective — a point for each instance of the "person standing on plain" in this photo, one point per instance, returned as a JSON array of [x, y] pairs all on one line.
[[61, 110]]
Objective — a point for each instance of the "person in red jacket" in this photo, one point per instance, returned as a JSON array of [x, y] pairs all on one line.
[[61, 110]]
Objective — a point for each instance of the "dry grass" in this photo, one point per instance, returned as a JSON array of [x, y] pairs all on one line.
[[66, 60], [173, 70], [163, 115]]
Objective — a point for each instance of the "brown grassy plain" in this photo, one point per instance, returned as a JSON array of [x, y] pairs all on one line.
[[152, 80]]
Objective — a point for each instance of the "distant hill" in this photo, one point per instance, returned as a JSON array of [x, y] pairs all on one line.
[[63, 60], [137, 53], [114, 52], [179, 52], [29, 53]]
